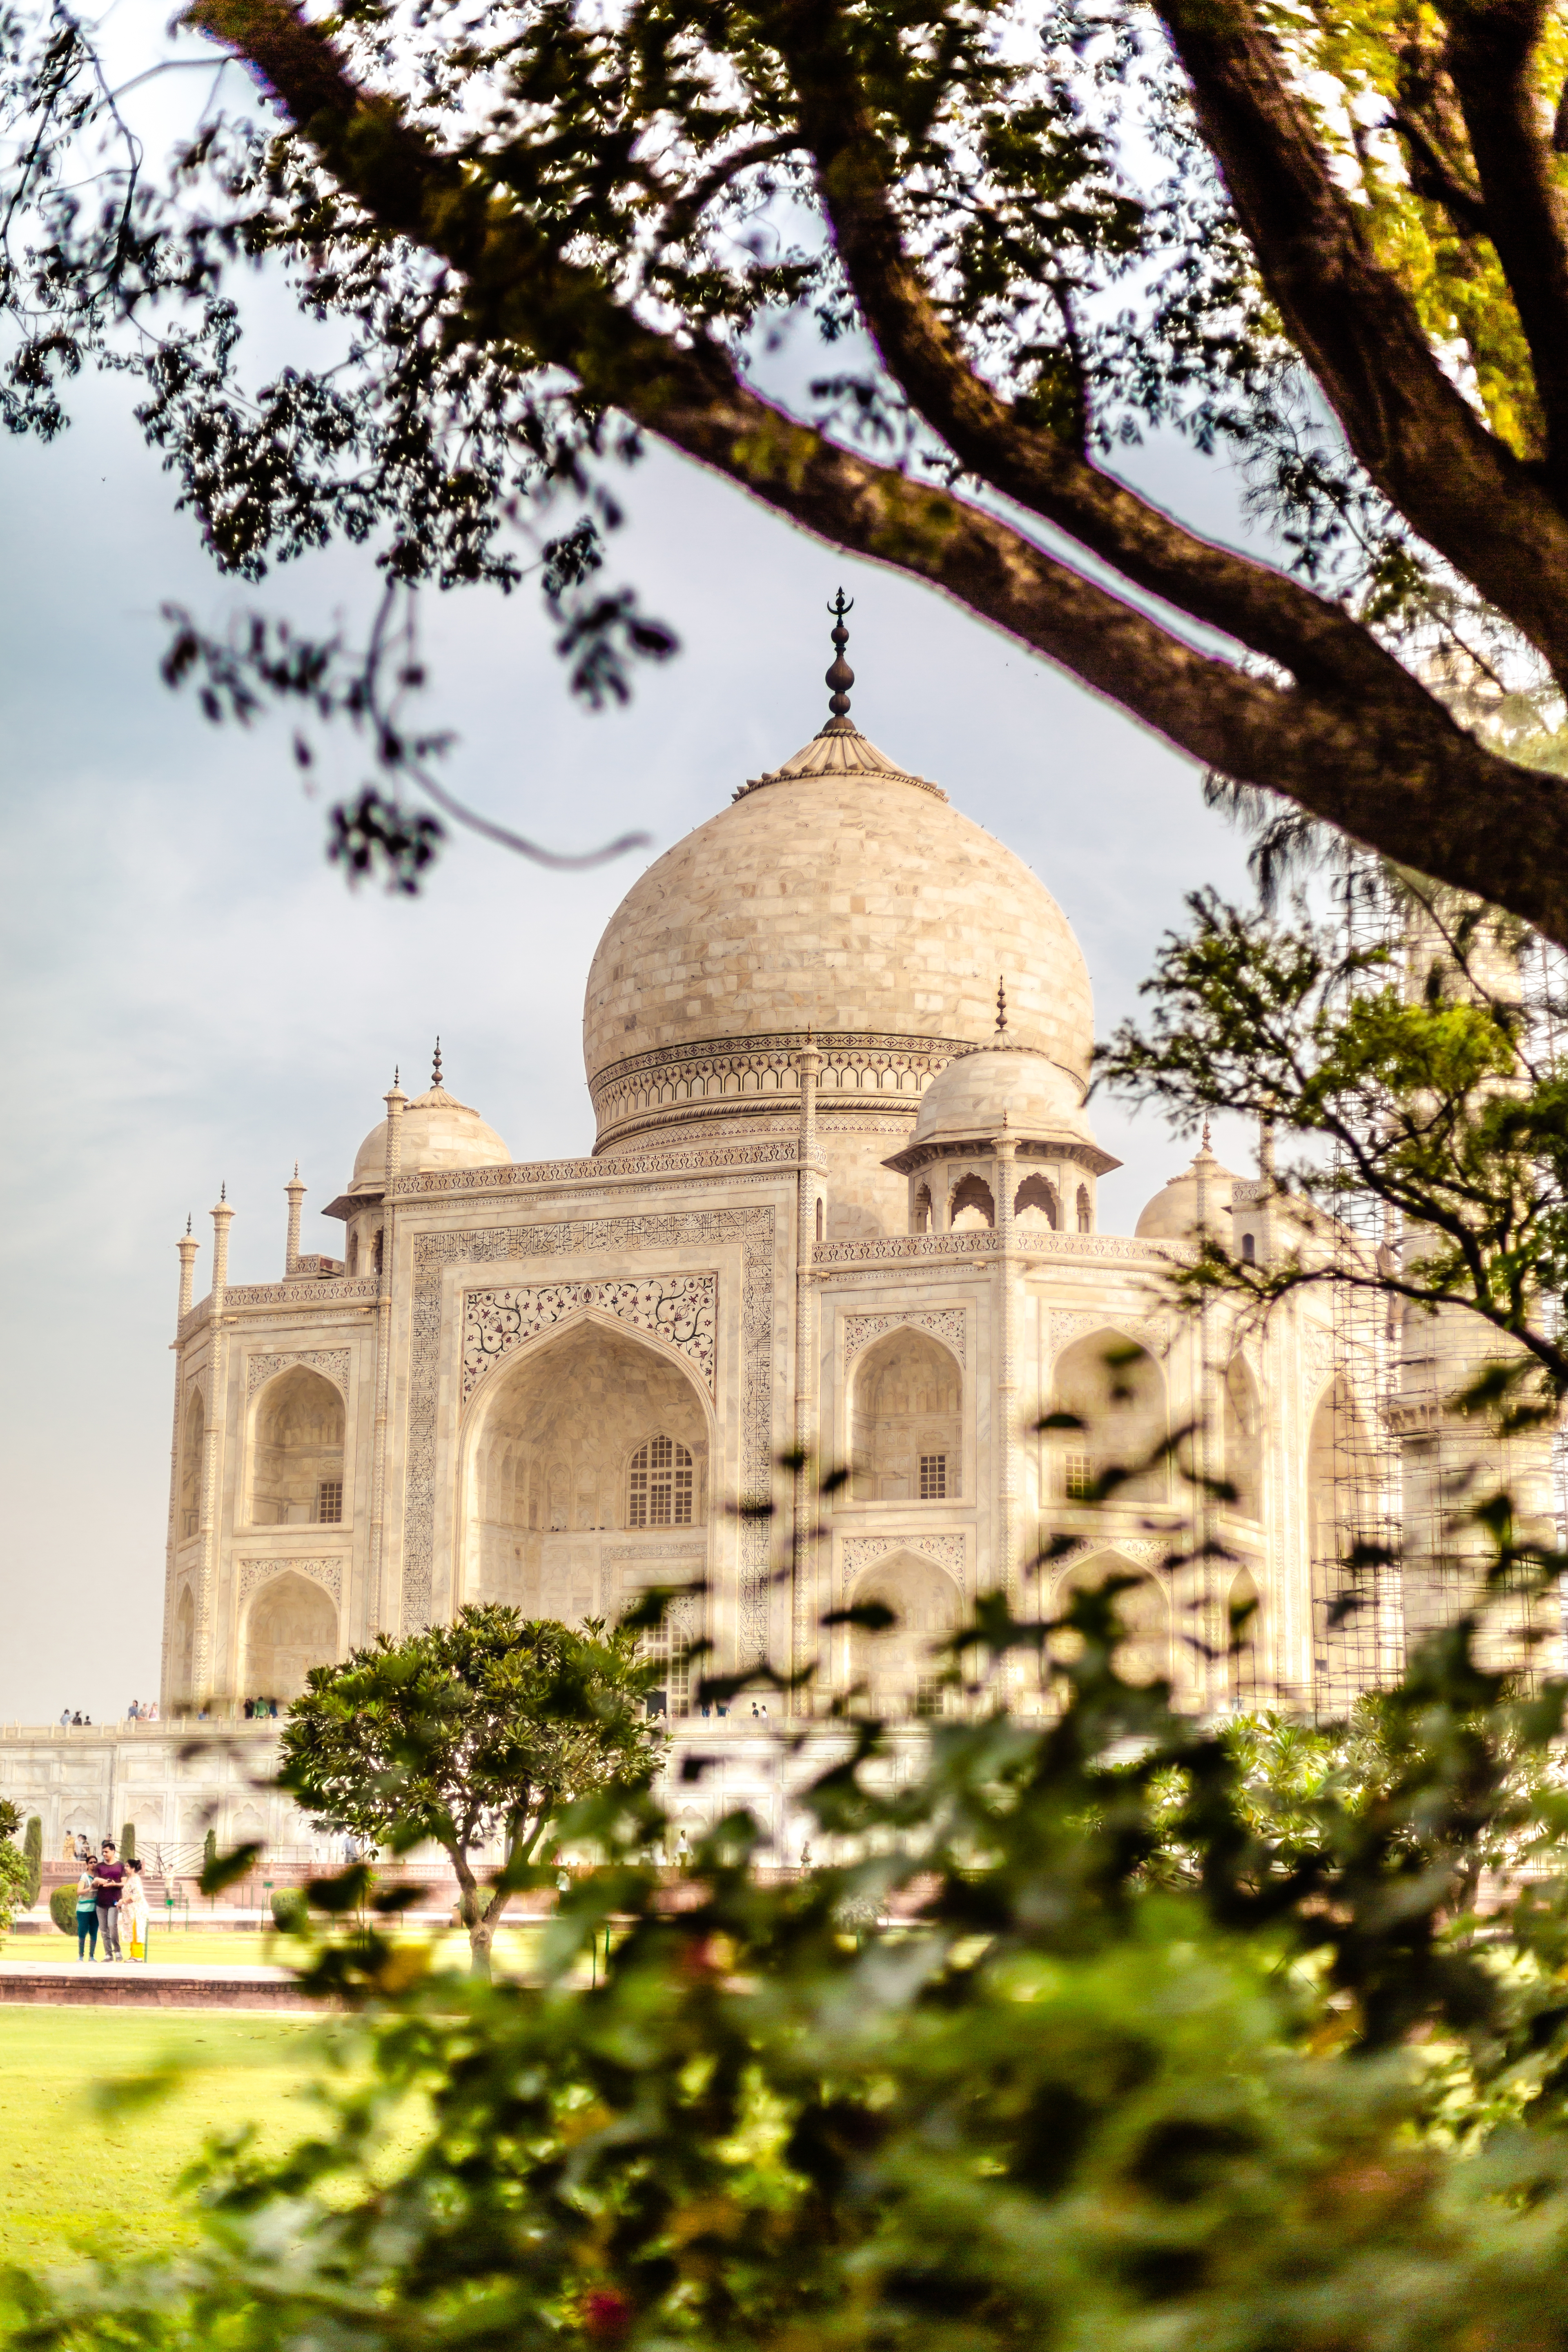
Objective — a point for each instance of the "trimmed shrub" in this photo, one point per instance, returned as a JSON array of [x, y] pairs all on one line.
[[33, 1856], [209, 1849], [128, 1842], [291, 1911], [62, 1909]]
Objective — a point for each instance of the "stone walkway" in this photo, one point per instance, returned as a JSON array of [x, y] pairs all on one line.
[[142, 1984]]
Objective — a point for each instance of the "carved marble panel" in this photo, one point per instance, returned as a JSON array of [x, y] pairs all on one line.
[[943, 1323], [858, 1553], [682, 1309], [325, 1572], [332, 1363]]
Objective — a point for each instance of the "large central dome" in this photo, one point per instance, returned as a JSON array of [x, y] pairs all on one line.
[[841, 895]]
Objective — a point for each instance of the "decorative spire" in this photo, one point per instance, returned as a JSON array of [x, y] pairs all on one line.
[[397, 1077], [839, 676], [188, 1216], [296, 1171], [1207, 1144], [436, 1066], [223, 1190], [1001, 1005]]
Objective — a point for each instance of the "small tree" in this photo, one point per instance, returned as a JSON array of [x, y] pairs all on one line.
[[485, 1727], [209, 1851], [128, 1842], [32, 1859]]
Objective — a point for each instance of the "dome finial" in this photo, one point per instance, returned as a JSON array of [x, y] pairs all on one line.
[[839, 676], [1001, 1004], [1207, 1144], [436, 1066]]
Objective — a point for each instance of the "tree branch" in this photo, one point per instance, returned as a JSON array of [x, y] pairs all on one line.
[[1490, 51], [1418, 436], [1384, 762]]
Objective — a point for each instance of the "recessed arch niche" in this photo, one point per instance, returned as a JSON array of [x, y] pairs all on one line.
[[1243, 1438], [590, 1435], [1117, 1390], [182, 1664], [193, 1445], [297, 1451], [291, 1626], [1036, 1207], [906, 1422], [900, 1666], [971, 1208], [1142, 1611]]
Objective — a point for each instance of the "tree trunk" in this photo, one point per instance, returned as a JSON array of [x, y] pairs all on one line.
[[477, 1916]]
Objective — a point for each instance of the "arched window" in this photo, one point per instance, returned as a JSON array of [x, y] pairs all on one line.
[[907, 1434], [1035, 1204], [1244, 1639], [659, 1487], [972, 1208], [1116, 1390], [1085, 1211], [192, 1450], [1249, 1249], [297, 1477], [1243, 1439], [921, 1219]]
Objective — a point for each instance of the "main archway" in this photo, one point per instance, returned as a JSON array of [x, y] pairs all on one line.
[[588, 1454]]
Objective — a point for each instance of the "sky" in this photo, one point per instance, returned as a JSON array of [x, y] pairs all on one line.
[[192, 997]]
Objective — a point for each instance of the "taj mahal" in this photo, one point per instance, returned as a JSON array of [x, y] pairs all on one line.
[[842, 1205]]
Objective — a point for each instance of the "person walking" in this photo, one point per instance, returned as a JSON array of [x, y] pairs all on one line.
[[133, 1912], [109, 1880], [86, 1916]]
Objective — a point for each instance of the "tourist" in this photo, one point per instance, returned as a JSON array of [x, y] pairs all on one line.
[[109, 1880], [133, 1713], [64, 1716], [86, 1916], [150, 1712], [133, 1912], [77, 1717], [249, 1708]]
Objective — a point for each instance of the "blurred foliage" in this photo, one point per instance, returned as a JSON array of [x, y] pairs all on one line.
[[1109, 2030]]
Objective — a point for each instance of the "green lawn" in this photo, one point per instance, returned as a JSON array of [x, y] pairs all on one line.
[[73, 2176]]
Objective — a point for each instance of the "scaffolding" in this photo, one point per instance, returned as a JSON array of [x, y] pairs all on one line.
[[1398, 1468], [1354, 1461]]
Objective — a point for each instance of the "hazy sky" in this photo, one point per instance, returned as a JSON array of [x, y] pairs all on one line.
[[193, 997]]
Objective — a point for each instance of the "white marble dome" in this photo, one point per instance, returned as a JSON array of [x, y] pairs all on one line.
[[842, 895], [1002, 1085], [438, 1131], [1172, 1215]]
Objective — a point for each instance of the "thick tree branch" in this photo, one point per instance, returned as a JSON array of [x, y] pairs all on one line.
[[1418, 437], [1317, 642], [1433, 176], [1385, 764], [1490, 51]]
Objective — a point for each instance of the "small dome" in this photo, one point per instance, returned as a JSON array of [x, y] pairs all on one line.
[[438, 1131], [998, 1086], [1172, 1215]]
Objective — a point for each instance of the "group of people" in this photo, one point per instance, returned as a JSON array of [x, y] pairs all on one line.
[[110, 1898], [258, 1708], [141, 1711], [77, 1718]]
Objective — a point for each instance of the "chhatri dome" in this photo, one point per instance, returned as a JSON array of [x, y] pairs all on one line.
[[437, 1131], [1175, 1212], [839, 895]]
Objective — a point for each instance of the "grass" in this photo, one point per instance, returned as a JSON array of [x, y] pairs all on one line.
[[79, 2173]]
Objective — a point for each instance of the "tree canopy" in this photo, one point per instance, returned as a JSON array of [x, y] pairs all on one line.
[[1330, 245], [467, 1734]]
